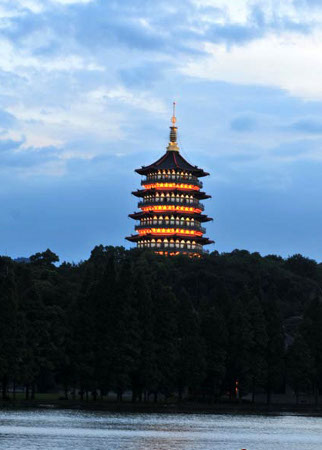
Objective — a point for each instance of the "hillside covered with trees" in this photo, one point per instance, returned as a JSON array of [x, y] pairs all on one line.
[[223, 326]]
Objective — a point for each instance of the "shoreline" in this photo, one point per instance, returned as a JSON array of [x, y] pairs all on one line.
[[165, 408]]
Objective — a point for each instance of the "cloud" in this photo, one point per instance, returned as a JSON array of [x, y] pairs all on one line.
[[86, 115], [7, 120], [157, 28], [243, 123], [307, 126], [144, 75], [72, 2], [307, 3], [8, 144], [290, 62], [16, 60], [137, 99], [30, 161], [87, 76], [21, 7], [294, 150]]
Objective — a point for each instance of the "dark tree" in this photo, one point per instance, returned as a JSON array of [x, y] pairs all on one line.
[[8, 324], [275, 350], [191, 364], [166, 339], [239, 363], [215, 335], [46, 258], [300, 367], [259, 364]]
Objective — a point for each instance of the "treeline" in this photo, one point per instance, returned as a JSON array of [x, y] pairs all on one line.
[[223, 326]]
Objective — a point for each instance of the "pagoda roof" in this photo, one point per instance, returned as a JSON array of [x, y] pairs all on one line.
[[172, 160], [199, 239], [197, 194], [140, 214]]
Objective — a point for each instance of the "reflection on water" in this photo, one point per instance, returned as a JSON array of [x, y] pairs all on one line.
[[70, 430]]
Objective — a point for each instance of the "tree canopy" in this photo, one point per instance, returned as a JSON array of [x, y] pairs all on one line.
[[225, 325]]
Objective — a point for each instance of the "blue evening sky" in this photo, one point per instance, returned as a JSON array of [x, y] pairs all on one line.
[[86, 88]]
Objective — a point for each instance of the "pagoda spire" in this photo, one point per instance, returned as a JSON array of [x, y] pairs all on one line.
[[173, 145]]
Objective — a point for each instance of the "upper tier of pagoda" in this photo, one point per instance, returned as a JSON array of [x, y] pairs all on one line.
[[172, 160]]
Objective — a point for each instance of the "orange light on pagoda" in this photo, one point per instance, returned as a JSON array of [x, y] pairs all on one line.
[[172, 186], [158, 208], [191, 254], [169, 231]]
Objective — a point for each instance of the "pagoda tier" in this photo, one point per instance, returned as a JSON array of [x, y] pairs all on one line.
[[168, 194], [174, 235], [174, 161], [149, 215], [171, 213]]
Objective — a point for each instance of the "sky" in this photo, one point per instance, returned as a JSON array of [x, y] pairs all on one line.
[[86, 92]]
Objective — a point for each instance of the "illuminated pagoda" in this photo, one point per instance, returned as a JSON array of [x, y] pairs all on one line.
[[171, 214]]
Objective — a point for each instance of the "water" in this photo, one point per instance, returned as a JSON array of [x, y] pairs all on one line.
[[71, 430]]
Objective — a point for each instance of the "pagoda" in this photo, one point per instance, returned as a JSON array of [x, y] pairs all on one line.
[[171, 215]]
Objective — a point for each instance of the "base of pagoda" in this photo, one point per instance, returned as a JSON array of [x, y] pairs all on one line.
[[176, 253], [169, 251]]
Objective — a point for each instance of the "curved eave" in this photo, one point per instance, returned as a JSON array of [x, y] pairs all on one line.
[[197, 194], [199, 173], [172, 160], [132, 238], [198, 239], [140, 214]]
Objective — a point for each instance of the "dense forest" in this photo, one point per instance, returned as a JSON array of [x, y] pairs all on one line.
[[220, 327]]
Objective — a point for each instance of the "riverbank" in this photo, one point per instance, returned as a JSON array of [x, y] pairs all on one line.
[[164, 407]]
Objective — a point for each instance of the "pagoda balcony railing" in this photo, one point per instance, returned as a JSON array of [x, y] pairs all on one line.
[[174, 247], [171, 201], [170, 178], [172, 224]]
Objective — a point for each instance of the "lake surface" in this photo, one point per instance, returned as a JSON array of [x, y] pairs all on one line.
[[72, 430]]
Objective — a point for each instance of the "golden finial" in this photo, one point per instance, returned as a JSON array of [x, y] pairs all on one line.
[[173, 146], [174, 119]]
